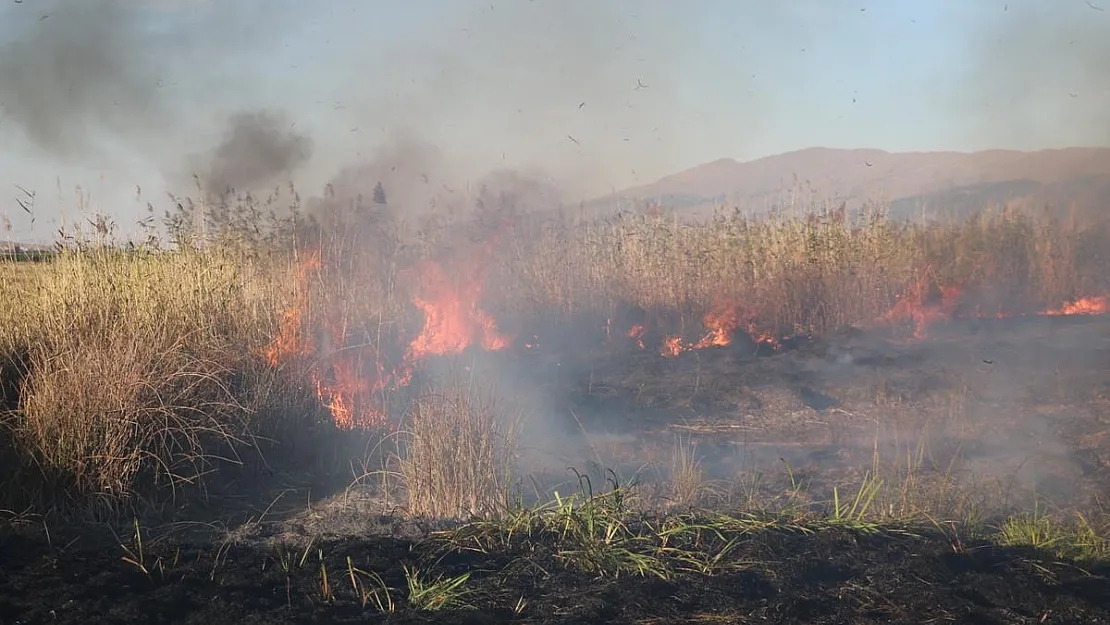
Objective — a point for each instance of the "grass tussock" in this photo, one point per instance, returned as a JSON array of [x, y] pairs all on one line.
[[136, 369], [455, 456]]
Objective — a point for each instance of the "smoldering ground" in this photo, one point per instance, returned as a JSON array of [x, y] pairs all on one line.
[[984, 415]]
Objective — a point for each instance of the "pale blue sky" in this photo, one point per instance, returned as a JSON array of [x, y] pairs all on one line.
[[500, 84]]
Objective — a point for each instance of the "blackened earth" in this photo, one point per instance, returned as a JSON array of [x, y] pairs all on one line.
[[833, 576]]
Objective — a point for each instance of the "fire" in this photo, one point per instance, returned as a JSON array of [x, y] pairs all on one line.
[[343, 393], [290, 342], [672, 346], [347, 380], [1081, 306], [922, 308], [721, 324], [452, 319], [350, 381], [637, 334]]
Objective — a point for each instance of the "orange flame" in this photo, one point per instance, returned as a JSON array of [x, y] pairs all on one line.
[[672, 346], [452, 319], [1081, 306], [917, 307], [912, 306], [721, 324], [289, 343], [637, 334], [346, 380], [347, 391]]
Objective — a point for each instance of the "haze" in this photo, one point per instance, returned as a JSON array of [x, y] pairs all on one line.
[[593, 97]]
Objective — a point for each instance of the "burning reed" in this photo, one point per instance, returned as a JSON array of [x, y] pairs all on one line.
[[127, 370]]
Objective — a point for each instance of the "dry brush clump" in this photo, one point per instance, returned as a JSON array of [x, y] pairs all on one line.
[[136, 368], [455, 454]]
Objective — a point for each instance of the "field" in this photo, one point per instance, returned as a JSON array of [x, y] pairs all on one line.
[[803, 419]]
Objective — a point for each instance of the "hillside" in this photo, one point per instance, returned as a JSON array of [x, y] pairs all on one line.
[[918, 184]]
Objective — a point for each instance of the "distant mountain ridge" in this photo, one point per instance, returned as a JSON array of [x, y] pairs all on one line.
[[916, 184]]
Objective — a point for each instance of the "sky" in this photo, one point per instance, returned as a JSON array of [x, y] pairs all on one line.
[[108, 104]]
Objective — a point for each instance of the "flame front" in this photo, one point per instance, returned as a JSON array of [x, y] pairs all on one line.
[[721, 324], [1081, 306], [348, 380], [924, 308], [290, 342]]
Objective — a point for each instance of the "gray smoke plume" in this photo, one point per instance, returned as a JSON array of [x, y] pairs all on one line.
[[415, 175], [75, 75], [551, 87], [257, 148]]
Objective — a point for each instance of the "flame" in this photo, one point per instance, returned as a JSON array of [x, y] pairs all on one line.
[[344, 391], [347, 380], [452, 319], [637, 334], [922, 308], [1081, 306], [924, 311], [289, 342], [672, 346], [721, 324]]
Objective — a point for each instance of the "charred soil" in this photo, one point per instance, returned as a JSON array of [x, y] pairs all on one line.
[[830, 576]]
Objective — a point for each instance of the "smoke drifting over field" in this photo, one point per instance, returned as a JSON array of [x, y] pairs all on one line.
[[74, 78], [525, 106], [1039, 71], [257, 148], [488, 88]]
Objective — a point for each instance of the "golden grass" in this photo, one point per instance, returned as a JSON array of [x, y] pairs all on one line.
[[814, 275], [455, 456], [136, 364]]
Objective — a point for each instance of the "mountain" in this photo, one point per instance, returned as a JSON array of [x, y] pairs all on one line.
[[916, 184]]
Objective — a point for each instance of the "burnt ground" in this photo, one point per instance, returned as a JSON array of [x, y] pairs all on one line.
[[996, 415], [834, 576], [1018, 406]]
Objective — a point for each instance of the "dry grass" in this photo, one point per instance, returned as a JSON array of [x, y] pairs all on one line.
[[813, 275], [454, 459], [132, 367], [687, 475], [126, 370]]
